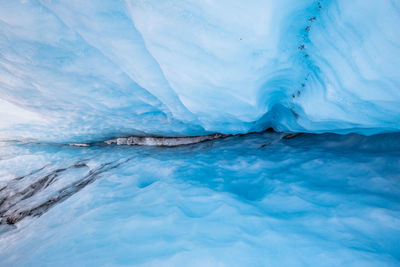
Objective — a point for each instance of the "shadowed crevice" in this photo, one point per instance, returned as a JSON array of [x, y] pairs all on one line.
[[11, 210]]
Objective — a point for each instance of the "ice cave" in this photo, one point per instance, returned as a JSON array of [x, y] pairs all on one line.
[[199, 133]]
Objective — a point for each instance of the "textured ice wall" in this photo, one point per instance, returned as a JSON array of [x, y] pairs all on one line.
[[255, 200], [354, 58], [85, 70]]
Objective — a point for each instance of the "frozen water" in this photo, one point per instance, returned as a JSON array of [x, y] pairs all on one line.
[[79, 78], [73, 71], [256, 200]]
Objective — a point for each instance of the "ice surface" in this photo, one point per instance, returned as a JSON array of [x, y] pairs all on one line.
[[74, 74], [256, 200], [74, 71]]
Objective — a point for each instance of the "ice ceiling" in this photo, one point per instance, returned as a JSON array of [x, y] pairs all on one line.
[[86, 70]]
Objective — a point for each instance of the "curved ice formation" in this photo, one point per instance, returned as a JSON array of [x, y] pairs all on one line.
[[79, 71]]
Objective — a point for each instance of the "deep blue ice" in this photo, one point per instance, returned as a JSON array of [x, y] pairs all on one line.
[[255, 200]]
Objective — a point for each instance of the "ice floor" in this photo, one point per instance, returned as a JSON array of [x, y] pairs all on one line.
[[253, 200]]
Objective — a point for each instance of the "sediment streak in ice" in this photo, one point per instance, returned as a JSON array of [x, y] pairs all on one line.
[[163, 141]]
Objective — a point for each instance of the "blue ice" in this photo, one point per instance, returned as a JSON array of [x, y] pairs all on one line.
[[98, 69], [83, 72], [256, 200]]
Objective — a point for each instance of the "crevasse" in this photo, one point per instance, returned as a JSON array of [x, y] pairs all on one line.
[[135, 133]]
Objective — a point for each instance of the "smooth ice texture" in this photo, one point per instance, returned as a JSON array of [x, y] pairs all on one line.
[[77, 71], [255, 200]]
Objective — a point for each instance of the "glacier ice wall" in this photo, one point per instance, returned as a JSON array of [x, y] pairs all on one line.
[[254, 200], [86, 70]]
